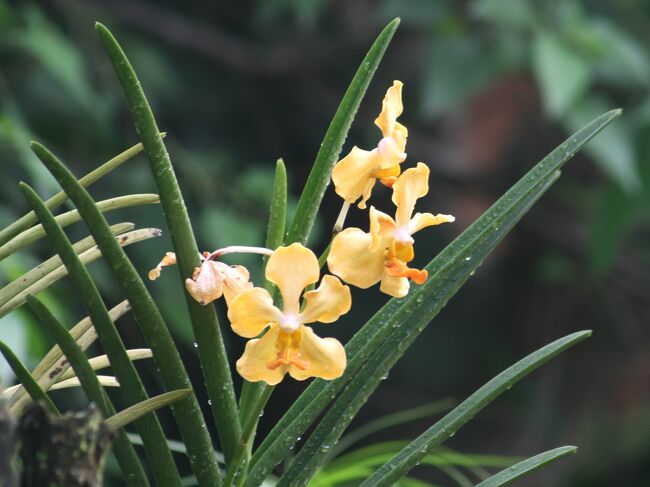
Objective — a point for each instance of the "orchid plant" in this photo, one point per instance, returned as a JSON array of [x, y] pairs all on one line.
[[272, 315]]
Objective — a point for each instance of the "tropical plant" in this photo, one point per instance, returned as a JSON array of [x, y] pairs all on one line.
[[346, 376]]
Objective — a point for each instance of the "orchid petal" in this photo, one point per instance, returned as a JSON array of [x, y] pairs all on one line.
[[292, 269], [237, 281], [352, 259], [328, 302], [391, 108], [411, 185], [423, 220], [323, 357], [398, 287], [251, 311], [259, 353], [382, 229], [206, 284], [352, 175]]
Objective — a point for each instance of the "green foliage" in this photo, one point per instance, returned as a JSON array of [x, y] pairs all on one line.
[[327, 406]]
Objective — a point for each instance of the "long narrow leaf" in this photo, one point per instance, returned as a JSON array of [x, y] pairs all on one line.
[[330, 148], [25, 378], [152, 325], [389, 421], [136, 411], [104, 381], [131, 385], [35, 233], [408, 457], [102, 361], [54, 363], [205, 325], [86, 257], [72, 381], [44, 268], [527, 466], [26, 221], [125, 454], [456, 262]]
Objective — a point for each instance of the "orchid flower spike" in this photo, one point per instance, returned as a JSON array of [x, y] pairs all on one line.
[[382, 255], [288, 346], [354, 176]]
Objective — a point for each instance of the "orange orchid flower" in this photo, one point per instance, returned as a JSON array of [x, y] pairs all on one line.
[[382, 255]]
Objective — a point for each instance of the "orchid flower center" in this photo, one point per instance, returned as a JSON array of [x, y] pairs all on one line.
[[385, 147], [289, 322], [402, 235]]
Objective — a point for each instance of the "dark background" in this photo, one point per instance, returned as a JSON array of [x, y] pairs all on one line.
[[490, 88]]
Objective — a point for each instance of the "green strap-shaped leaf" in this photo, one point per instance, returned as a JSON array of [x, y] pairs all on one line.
[[85, 257], [140, 409], [278, 210], [124, 452], [410, 456], [26, 379], [205, 325], [54, 363], [390, 420], [330, 148], [527, 466], [152, 325], [35, 233], [44, 268], [102, 361], [130, 383], [448, 271], [26, 221]]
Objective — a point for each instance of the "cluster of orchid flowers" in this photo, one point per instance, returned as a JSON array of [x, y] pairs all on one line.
[[280, 340]]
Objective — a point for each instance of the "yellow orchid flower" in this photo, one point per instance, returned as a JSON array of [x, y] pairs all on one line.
[[288, 346], [382, 255], [354, 176]]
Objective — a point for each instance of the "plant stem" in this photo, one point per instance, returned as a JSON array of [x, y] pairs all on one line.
[[211, 349]]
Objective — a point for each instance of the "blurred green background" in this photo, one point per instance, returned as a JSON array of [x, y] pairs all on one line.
[[490, 88]]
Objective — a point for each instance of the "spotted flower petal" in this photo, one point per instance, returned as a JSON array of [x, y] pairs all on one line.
[[251, 311], [321, 357], [352, 258], [326, 303], [292, 269]]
